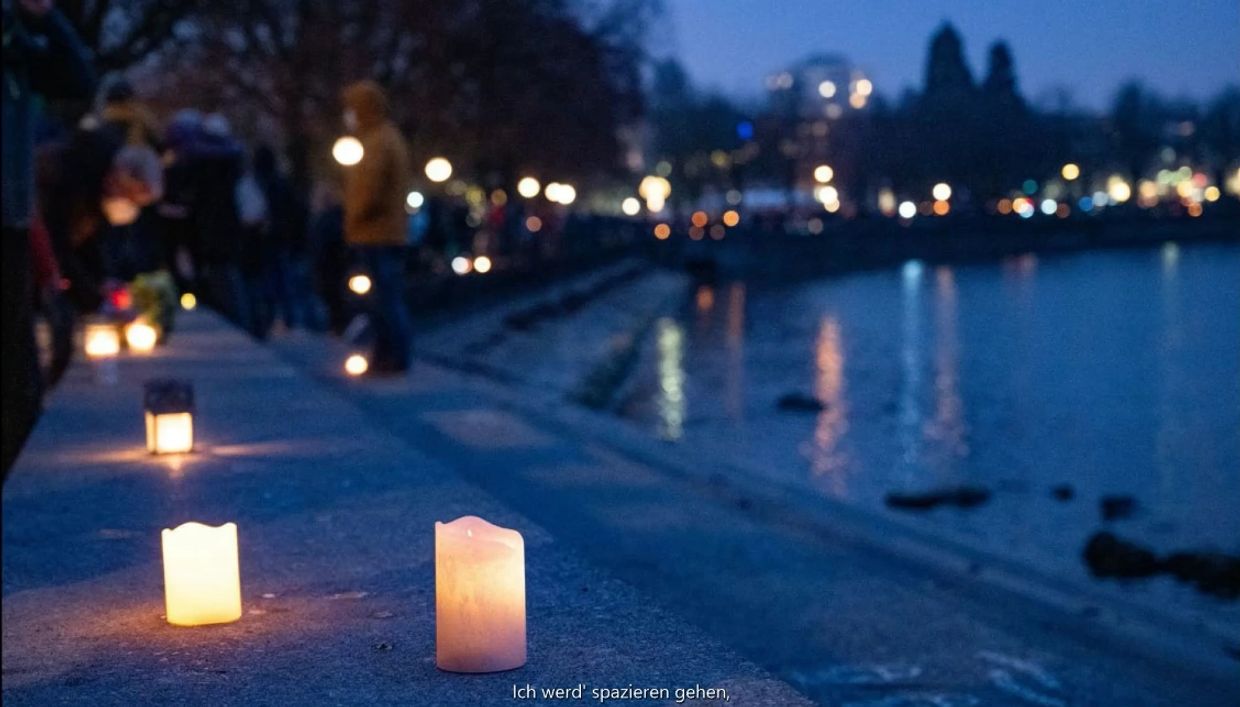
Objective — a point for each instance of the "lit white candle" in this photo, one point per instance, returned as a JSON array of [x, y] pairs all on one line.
[[102, 343], [202, 577], [479, 597], [141, 336]]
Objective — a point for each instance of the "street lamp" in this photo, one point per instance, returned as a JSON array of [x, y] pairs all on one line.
[[438, 169], [528, 187], [348, 151]]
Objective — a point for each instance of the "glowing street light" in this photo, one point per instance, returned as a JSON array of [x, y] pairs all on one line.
[[1118, 190], [631, 206], [863, 87], [462, 265], [907, 209], [348, 151], [528, 187], [1070, 171], [823, 173], [482, 265], [942, 191], [188, 301], [438, 169], [826, 89], [560, 193], [828, 194], [414, 200]]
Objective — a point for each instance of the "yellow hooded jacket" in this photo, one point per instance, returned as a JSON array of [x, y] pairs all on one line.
[[375, 188]]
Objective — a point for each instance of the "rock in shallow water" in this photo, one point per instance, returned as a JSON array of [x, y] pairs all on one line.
[[1063, 492], [1116, 507], [1110, 556], [1213, 572], [960, 496]]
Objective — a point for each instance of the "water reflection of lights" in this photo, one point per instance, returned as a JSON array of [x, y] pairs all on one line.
[[735, 346], [909, 424], [911, 272], [1170, 257], [948, 427], [670, 343], [705, 298], [832, 422]]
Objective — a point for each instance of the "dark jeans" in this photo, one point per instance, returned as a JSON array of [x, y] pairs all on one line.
[[22, 388], [229, 294], [387, 307]]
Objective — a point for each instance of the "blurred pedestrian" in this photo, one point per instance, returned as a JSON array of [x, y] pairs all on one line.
[[132, 185], [255, 221], [178, 240], [375, 220], [285, 242], [328, 254], [216, 163], [42, 55]]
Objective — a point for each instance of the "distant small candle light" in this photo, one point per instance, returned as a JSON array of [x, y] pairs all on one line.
[[140, 336], [359, 284], [356, 365], [102, 340]]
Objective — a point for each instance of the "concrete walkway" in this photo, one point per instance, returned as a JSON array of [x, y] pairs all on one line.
[[849, 608], [335, 516]]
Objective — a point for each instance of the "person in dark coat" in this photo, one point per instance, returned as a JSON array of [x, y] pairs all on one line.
[[285, 239], [216, 166], [42, 56]]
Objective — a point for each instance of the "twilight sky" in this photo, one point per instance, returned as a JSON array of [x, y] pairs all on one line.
[[1180, 47]]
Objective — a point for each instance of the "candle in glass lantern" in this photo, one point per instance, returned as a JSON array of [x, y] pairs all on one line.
[[202, 576], [103, 343], [479, 597], [169, 407]]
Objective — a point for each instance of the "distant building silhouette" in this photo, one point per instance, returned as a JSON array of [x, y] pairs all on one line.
[[947, 75]]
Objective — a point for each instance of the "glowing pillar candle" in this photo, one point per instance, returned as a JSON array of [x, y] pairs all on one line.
[[141, 336], [479, 597], [103, 343], [202, 576], [169, 416]]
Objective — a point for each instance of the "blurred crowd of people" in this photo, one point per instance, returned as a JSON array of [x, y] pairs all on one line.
[[119, 202]]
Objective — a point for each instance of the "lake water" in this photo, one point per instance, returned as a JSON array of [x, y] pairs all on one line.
[[1115, 372]]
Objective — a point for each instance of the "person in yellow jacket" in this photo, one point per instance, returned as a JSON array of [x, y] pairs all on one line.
[[375, 220]]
